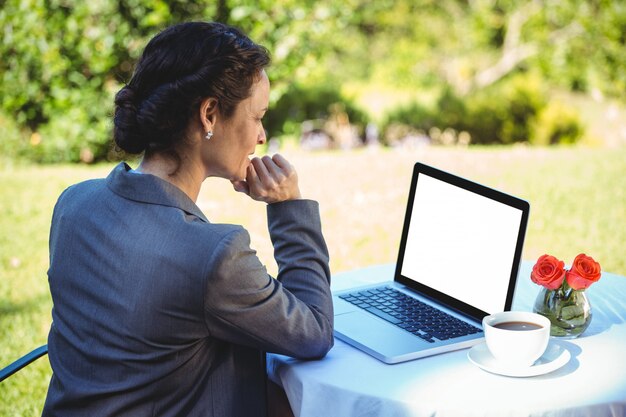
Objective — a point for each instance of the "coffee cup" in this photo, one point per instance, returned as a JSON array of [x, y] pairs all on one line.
[[516, 338]]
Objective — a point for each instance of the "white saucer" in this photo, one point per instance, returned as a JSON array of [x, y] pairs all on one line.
[[553, 358]]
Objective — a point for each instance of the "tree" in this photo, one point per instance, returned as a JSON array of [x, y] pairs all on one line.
[[61, 61]]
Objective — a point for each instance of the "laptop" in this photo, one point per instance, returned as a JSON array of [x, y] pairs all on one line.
[[458, 261]]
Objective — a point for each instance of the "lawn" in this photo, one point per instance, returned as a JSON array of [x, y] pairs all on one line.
[[577, 197]]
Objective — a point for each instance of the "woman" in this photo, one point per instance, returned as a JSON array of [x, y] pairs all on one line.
[[158, 311]]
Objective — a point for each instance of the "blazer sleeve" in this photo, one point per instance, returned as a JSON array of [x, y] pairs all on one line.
[[291, 315]]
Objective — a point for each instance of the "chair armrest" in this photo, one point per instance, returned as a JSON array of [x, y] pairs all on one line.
[[22, 362]]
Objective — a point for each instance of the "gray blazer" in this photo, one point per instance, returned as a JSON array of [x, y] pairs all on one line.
[[158, 312]]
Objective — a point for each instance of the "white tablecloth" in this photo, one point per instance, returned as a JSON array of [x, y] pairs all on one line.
[[350, 383]]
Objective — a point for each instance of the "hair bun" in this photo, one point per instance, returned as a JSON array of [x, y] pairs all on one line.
[[126, 130]]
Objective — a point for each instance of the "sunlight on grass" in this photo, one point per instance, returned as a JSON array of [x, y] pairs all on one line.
[[577, 197]]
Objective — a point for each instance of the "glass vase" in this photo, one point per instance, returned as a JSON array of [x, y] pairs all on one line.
[[567, 309]]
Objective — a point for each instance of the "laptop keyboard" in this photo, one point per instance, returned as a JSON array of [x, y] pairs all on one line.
[[410, 314]]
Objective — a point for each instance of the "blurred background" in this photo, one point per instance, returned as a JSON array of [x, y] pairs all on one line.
[[524, 96], [344, 73]]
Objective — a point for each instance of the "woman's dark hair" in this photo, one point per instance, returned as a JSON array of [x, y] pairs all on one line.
[[179, 67]]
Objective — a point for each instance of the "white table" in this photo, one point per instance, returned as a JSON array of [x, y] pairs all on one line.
[[348, 382]]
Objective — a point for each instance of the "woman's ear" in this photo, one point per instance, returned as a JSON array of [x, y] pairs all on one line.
[[208, 113]]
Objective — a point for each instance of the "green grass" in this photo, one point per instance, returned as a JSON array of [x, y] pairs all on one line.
[[577, 196]]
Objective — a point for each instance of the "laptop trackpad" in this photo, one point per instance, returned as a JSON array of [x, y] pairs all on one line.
[[376, 334]]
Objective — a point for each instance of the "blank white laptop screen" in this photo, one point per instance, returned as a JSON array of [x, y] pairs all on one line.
[[461, 243]]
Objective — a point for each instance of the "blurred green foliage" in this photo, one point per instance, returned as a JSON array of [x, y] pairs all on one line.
[[556, 124], [61, 61], [510, 111], [299, 103]]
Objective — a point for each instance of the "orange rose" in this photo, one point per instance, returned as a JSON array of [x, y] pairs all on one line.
[[584, 272], [549, 272]]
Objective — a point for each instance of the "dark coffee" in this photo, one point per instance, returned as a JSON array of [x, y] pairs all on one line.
[[517, 325]]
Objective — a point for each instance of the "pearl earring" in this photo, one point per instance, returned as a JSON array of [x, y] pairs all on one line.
[[209, 135]]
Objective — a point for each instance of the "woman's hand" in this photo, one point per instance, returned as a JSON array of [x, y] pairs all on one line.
[[270, 179]]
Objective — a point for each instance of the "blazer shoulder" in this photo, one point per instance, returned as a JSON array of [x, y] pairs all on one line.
[[206, 237], [80, 191], [221, 233]]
